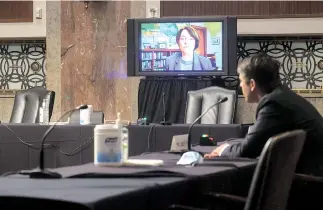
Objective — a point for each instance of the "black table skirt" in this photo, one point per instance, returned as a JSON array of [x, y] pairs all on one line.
[[174, 92], [155, 138], [70, 145]]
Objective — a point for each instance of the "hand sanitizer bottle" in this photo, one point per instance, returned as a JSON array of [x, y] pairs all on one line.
[[44, 112], [41, 115], [110, 144], [124, 137], [107, 145]]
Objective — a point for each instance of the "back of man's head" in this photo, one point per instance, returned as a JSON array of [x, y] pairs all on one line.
[[263, 69]]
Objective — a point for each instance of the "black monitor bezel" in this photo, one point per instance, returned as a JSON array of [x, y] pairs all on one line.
[[137, 46]]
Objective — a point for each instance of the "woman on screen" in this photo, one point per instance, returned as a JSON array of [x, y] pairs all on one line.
[[187, 60]]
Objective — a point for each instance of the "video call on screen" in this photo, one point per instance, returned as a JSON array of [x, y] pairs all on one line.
[[195, 46]]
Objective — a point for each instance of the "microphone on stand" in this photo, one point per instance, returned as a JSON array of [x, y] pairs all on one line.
[[164, 122], [189, 140], [182, 143], [42, 173]]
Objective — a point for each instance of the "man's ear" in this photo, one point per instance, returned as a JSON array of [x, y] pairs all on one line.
[[252, 84]]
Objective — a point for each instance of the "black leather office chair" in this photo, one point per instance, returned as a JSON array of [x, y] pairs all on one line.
[[272, 178], [27, 103], [96, 118], [200, 100]]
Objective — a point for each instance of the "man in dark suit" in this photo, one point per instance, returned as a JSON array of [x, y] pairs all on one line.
[[279, 110]]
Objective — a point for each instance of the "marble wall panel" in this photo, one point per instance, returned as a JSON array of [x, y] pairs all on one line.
[[85, 62], [53, 54], [94, 63]]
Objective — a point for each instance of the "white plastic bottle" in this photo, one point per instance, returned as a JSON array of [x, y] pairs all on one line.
[[110, 144], [85, 115], [41, 115], [107, 145], [125, 144], [45, 111], [118, 121], [124, 137]]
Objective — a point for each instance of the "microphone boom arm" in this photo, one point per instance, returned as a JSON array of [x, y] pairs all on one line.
[[44, 173], [198, 118]]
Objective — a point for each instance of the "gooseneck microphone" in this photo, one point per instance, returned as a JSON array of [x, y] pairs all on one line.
[[189, 140], [42, 173], [164, 122]]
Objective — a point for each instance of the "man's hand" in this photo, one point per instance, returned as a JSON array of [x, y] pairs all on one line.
[[217, 152]]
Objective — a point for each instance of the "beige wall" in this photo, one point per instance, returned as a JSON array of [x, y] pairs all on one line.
[[35, 29]]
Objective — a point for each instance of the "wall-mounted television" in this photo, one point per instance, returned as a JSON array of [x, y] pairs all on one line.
[[190, 46]]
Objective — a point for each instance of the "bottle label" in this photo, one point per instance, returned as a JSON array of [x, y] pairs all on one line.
[[108, 149]]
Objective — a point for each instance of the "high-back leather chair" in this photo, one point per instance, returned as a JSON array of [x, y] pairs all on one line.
[[200, 100], [272, 178], [274, 173], [97, 117], [27, 103]]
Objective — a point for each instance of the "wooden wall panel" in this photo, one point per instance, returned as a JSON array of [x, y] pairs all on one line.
[[241, 8], [94, 57], [16, 11]]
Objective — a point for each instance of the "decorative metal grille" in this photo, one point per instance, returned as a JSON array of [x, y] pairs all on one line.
[[22, 64], [301, 59]]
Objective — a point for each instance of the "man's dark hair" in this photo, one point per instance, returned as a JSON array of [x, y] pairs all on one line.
[[263, 69]]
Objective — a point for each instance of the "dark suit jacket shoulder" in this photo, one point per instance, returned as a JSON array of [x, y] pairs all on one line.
[[280, 111]]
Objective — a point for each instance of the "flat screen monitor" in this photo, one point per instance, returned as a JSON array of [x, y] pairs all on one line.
[[180, 47]]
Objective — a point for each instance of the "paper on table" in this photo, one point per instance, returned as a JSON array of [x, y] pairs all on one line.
[[143, 162]]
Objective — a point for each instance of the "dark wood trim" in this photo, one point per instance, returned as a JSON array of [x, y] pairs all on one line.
[[280, 16], [23, 20], [244, 9], [257, 16], [16, 11]]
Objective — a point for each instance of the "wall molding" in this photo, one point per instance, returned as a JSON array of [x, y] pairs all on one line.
[[280, 26]]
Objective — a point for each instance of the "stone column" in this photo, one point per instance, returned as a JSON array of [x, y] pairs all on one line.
[[53, 53]]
